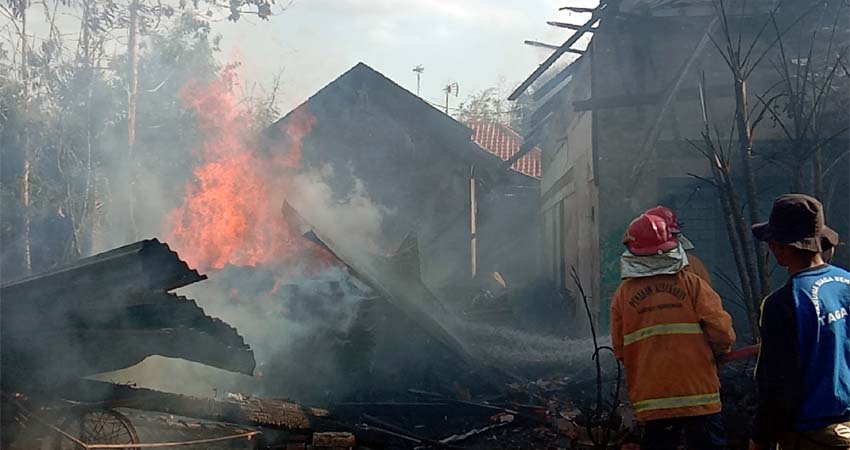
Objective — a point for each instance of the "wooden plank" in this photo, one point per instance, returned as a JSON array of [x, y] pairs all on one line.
[[548, 107], [597, 14], [253, 411], [577, 9], [550, 46], [540, 44], [558, 79], [627, 100], [534, 133], [527, 146], [562, 182], [569, 26]]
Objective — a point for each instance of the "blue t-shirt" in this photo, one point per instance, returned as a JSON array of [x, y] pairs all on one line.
[[803, 372], [822, 304]]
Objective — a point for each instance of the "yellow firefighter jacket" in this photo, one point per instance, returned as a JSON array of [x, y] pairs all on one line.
[[667, 330], [696, 266]]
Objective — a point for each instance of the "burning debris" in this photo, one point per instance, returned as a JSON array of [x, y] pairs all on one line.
[[413, 274], [330, 292], [228, 214]]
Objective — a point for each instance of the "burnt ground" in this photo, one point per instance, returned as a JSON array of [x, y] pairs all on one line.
[[540, 414]]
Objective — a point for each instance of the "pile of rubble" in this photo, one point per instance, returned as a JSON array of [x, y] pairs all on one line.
[[113, 310]]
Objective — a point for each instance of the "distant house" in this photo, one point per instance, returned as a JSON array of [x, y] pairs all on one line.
[[502, 141], [419, 165], [593, 120]]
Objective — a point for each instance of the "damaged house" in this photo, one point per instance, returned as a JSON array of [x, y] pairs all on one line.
[[471, 216], [455, 220], [617, 126]]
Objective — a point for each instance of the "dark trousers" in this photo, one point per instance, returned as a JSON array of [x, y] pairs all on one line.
[[832, 437], [700, 433]]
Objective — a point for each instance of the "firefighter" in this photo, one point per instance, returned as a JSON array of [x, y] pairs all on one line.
[[694, 264], [667, 327], [803, 373]]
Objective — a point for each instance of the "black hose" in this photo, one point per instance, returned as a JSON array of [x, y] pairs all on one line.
[[616, 401], [575, 277], [596, 413]]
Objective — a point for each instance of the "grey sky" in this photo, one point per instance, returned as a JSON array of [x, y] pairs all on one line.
[[476, 43]]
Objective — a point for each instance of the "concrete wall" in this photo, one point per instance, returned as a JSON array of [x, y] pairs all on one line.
[[635, 57], [569, 198], [631, 58]]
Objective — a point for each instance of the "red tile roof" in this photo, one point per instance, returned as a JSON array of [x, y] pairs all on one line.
[[504, 142]]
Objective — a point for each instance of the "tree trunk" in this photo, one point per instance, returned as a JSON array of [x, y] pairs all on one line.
[[797, 178], [744, 236], [745, 141], [726, 193], [85, 226], [132, 92], [28, 153], [817, 175]]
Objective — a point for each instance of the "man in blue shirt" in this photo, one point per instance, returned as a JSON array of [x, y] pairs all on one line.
[[803, 374]]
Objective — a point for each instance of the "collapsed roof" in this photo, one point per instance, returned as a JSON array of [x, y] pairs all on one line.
[[397, 279], [108, 312]]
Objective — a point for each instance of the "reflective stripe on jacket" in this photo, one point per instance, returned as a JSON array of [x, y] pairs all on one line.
[[667, 330]]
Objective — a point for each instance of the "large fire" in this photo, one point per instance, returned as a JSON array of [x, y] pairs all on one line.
[[231, 211]]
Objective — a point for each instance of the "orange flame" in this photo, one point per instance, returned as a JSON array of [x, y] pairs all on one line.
[[231, 210]]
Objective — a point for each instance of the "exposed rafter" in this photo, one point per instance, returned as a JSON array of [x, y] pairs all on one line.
[[577, 9], [557, 79], [527, 146], [569, 26], [597, 14], [551, 46]]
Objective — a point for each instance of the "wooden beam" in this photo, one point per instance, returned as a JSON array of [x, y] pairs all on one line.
[[557, 79], [653, 98], [597, 14], [546, 108], [577, 9], [537, 128], [526, 147], [540, 44], [550, 46], [569, 26], [251, 411]]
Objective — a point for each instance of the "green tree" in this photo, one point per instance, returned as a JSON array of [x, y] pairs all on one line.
[[62, 119]]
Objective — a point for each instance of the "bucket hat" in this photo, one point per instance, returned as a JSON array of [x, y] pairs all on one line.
[[797, 220]]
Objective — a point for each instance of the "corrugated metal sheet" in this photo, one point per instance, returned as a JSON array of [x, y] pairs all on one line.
[[108, 312], [143, 266]]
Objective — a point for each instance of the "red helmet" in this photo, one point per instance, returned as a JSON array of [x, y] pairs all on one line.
[[649, 235], [668, 215]]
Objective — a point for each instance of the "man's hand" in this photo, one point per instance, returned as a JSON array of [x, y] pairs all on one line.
[[757, 446]]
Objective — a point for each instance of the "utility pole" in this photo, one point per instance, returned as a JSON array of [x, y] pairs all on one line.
[[450, 89], [473, 224], [418, 69]]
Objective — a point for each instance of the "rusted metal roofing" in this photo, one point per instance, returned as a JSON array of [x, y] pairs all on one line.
[[108, 312], [504, 142]]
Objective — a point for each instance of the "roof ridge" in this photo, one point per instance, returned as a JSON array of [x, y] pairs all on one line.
[[363, 66]]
